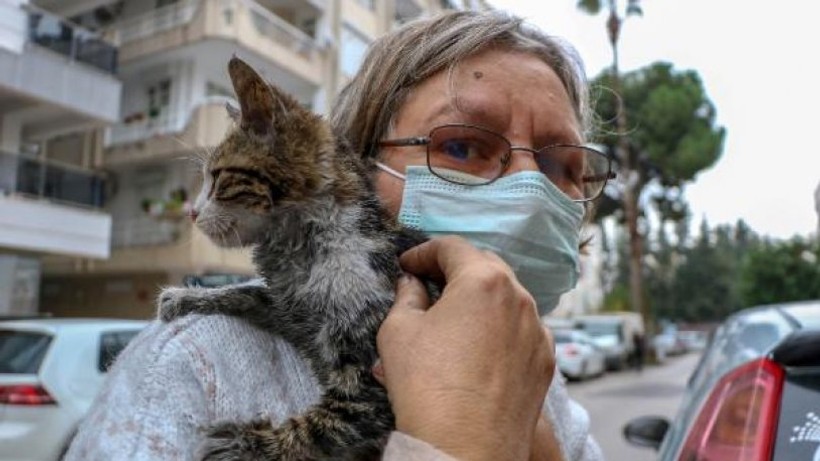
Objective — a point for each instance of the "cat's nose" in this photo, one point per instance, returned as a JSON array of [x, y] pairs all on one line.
[[193, 214]]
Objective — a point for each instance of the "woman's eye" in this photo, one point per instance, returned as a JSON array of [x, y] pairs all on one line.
[[462, 149], [456, 149]]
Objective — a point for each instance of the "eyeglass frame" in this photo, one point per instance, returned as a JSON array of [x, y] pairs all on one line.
[[505, 160]]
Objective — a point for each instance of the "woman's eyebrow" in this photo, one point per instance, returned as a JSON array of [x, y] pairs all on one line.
[[444, 110]]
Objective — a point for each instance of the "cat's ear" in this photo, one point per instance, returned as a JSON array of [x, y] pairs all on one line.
[[257, 102]]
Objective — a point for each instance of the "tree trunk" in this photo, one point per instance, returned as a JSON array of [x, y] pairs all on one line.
[[632, 184]]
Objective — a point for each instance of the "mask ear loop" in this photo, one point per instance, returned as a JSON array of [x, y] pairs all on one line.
[[390, 171]]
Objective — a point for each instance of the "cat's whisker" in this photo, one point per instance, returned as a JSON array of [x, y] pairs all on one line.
[[238, 237], [182, 143]]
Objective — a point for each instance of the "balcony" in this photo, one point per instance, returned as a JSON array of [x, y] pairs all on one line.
[[72, 41], [167, 135], [35, 178], [45, 59], [52, 208], [145, 230], [144, 244], [243, 22]]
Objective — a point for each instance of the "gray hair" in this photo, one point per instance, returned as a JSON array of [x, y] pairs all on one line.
[[398, 61]]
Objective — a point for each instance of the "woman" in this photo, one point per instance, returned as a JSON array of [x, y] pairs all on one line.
[[438, 107]]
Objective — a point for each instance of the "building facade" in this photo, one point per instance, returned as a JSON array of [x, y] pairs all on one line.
[[58, 88], [129, 126]]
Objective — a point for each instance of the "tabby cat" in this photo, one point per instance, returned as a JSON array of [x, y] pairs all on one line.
[[328, 254]]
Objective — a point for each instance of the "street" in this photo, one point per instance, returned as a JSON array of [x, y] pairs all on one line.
[[618, 397]]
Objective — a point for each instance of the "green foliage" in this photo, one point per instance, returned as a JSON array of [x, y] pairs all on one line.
[[722, 270], [781, 271], [617, 300], [590, 6], [690, 280], [673, 134], [705, 284]]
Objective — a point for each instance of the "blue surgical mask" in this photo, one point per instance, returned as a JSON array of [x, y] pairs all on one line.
[[523, 218]]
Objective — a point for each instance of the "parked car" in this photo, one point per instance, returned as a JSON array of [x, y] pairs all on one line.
[[614, 333], [577, 354], [50, 371], [754, 395], [694, 340], [668, 343]]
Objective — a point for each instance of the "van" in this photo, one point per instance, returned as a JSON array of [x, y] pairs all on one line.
[[613, 332]]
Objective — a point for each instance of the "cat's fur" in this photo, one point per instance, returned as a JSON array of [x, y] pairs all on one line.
[[327, 251]]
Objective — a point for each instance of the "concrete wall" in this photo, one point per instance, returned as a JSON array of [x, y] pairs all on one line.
[[129, 296], [19, 285]]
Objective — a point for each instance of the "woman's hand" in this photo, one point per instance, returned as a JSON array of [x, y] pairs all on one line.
[[468, 374]]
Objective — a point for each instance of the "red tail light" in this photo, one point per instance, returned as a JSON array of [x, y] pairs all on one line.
[[25, 394], [739, 419]]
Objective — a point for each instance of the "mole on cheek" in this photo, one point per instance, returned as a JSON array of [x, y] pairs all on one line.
[[478, 74]]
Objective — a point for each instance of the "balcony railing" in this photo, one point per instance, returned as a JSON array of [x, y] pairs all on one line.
[[143, 230], [78, 44], [265, 22], [138, 130], [159, 20], [30, 176], [268, 24]]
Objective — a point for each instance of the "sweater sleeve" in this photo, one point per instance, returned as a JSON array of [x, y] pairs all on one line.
[[175, 379], [152, 404], [571, 423], [402, 447]]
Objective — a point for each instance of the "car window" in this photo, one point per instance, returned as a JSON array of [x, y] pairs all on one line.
[[111, 344], [562, 338], [22, 352]]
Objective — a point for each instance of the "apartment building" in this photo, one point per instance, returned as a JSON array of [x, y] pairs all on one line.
[[171, 58], [58, 87]]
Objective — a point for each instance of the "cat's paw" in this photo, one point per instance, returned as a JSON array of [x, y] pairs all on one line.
[[174, 302], [232, 442]]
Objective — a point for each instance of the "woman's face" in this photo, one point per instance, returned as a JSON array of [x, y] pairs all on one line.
[[514, 94]]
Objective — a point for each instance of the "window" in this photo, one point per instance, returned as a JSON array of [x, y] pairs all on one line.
[[369, 4], [22, 352], [354, 47], [213, 89], [111, 344], [159, 98], [214, 280]]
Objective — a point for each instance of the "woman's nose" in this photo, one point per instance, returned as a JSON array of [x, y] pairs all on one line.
[[521, 159]]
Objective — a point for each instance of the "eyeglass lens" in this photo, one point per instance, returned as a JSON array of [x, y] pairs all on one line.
[[578, 171], [474, 151]]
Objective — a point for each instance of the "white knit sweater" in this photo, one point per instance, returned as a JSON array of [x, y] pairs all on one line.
[[175, 378]]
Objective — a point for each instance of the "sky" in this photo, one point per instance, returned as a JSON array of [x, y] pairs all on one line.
[[759, 65]]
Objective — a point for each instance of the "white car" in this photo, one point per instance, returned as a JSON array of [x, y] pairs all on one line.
[[577, 355], [50, 372]]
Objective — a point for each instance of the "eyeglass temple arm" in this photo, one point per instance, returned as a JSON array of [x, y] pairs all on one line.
[[600, 177], [417, 141]]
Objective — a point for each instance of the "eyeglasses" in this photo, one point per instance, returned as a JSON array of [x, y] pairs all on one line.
[[581, 172]]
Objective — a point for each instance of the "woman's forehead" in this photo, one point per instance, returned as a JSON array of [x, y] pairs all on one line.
[[492, 88]]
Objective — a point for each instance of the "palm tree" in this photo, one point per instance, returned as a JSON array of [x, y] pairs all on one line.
[[622, 153]]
